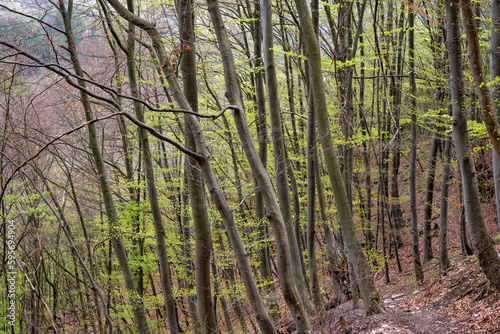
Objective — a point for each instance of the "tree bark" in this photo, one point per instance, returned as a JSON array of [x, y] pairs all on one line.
[[429, 195], [397, 215], [262, 223], [343, 41], [161, 247], [116, 239], [220, 202], [196, 186], [475, 61], [262, 179], [417, 266], [311, 206], [444, 260], [280, 161], [480, 239], [334, 261], [495, 90], [369, 293]]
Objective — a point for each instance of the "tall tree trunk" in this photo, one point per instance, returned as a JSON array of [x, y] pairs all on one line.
[[116, 239], [151, 184], [357, 257], [280, 162], [474, 51], [334, 260], [343, 41], [397, 215], [365, 130], [444, 260], [464, 238], [187, 255], [417, 266], [495, 90], [429, 195], [262, 224], [220, 202], [263, 181], [480, 239], [311, 206], [311, 185], [196, 187]]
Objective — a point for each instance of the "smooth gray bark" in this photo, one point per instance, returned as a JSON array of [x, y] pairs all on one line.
[[480, 239], [332, 253], [417, 265], [196, 186], [495, 90], [312, 162], [444, 260], [343, 41], [161, 247], [262, 138], [280, 161], [220, 202], [357, 257], [397, 215], [190, 279], [429, 195], [476, 64], [311, 206], [262, 179], [116, 239]]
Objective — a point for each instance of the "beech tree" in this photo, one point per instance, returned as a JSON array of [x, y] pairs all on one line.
[[417, 266], [480, 239], [369, 294], [138, 306]]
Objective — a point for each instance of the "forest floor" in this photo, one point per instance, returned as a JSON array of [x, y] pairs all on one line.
[[449, 302], [445, 303]]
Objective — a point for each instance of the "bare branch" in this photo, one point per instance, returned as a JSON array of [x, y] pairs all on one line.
[[242, 201], [33, 18], [58, 69]]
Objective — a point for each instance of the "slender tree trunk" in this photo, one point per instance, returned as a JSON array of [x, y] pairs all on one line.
[[383, 188], [280, 155], [475, 60], [334, 260], [343, 42], [218, 295], [151, 184], [397, 215], [429, 195], [382, 220], [480, 239], [188, 262], [369, 239], [116, 240], [311, 185], [262, 224], [311, 206], [417, 266], [444, 260], [495, 90], [196, 187], [464, 239], [221, 204], [285, 271], [369, 293]]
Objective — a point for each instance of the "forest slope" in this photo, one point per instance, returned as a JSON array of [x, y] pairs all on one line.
[[450, 302]]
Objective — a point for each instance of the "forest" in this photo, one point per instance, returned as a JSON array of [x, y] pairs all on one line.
[[283, 166]]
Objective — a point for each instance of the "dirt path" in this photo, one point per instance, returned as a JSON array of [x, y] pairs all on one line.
[[454, 302], [397, 320]]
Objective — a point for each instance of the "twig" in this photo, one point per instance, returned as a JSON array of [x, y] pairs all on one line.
[[243, 200]]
